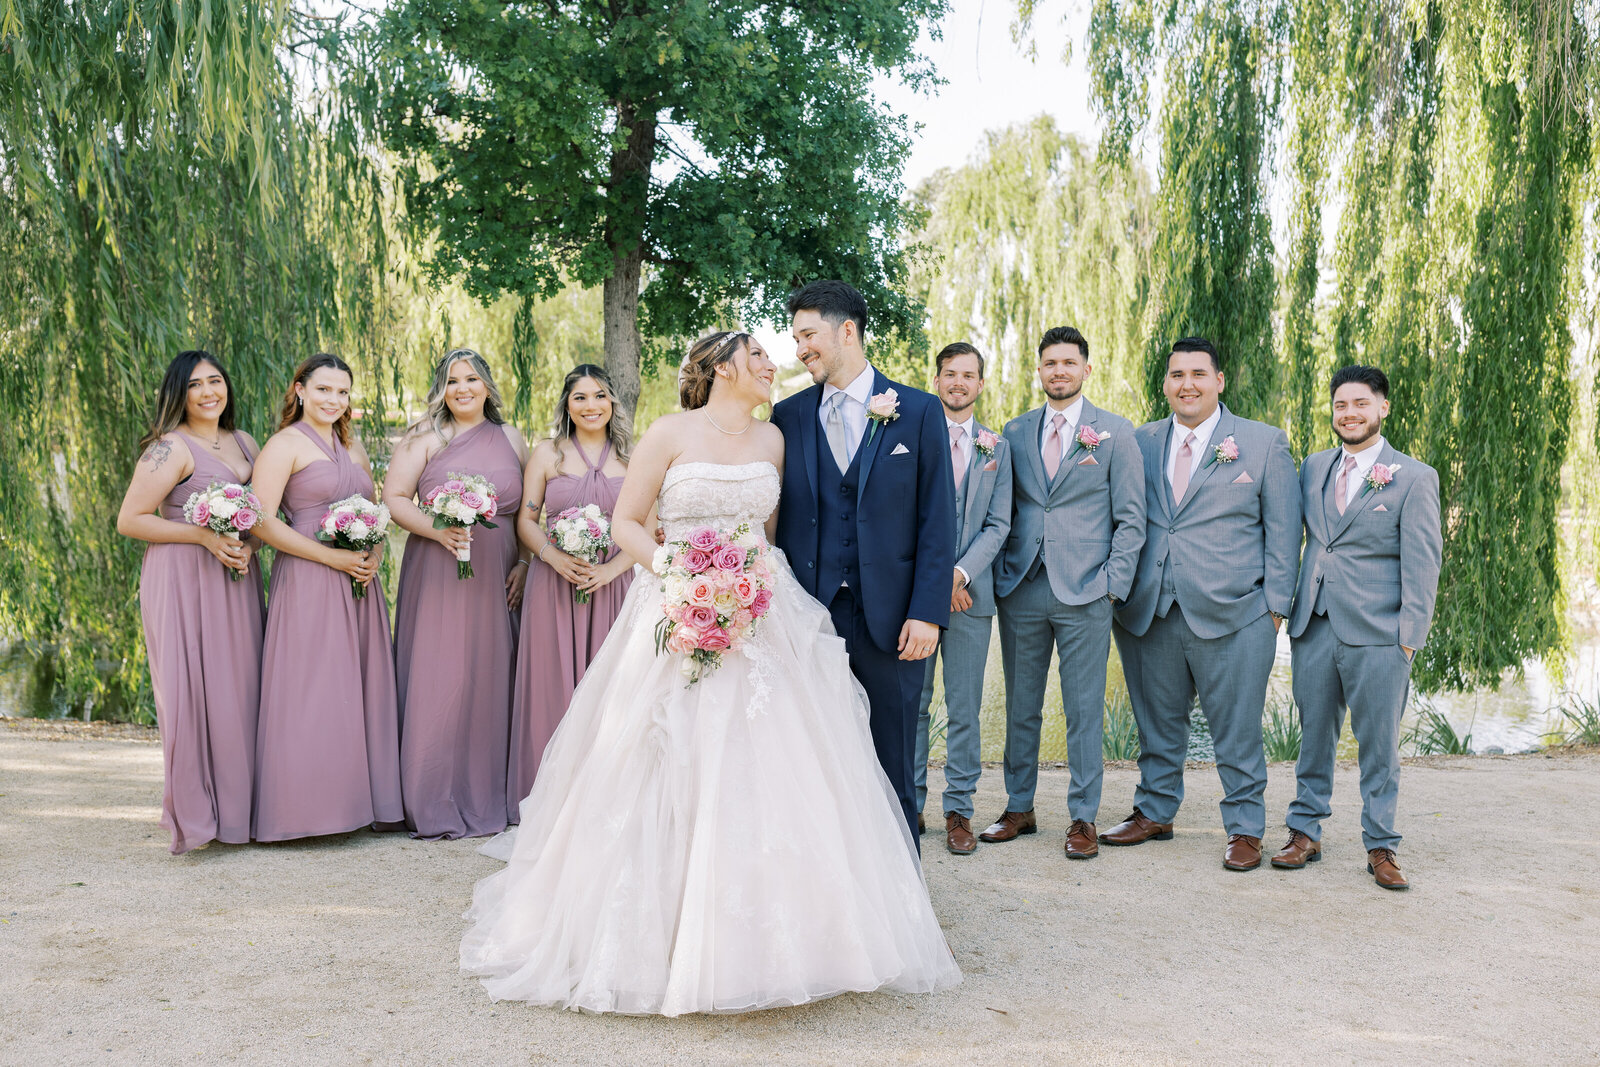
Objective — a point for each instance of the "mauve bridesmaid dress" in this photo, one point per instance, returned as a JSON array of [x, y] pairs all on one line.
[[454, 640], [328, 746], [203, 635], [559, 636]]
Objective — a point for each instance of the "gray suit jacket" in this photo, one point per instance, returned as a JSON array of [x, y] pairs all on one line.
[[1377, 564], [1232, 546], [984, 522], [1087, 523]]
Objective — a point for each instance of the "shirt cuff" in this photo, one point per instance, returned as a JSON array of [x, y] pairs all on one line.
[[966, 579]]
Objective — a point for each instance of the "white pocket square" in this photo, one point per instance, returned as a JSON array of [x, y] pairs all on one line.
[[1243, 479], [900, 450], [1380, 507]]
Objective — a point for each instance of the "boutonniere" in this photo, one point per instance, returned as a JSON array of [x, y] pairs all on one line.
[[1379, 476], [1087, 440], [985, 442], [882, 408], [1226, 452]]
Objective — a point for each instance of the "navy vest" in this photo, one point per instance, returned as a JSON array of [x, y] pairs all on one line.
[[838, 553]]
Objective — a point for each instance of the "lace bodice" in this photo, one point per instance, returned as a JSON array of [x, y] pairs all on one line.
[[721, 495]]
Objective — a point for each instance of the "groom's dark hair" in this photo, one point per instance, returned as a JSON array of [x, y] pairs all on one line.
[[835, 301], [1371, 377], [1064, 335]]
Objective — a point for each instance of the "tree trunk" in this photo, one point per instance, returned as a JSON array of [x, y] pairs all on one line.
[[630, 192]]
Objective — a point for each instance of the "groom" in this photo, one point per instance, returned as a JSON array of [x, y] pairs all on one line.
[[867, 517]]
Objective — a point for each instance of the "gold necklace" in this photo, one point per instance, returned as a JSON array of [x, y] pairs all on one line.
[[730, 433]]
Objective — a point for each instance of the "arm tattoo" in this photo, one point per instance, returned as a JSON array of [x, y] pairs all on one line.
[[157, 454]]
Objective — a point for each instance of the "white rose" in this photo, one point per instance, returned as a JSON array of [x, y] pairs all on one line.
[[224, 509], [357, 531], [659, 561], [460, 511], [328, 527], [747, 539], [674, 588]]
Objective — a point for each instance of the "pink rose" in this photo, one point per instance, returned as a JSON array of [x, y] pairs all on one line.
[[243, 519], [343, 519], [761, 603], [252, 500], [742, 619], [715, 639], [987, 440], [454, 485], [885, 405], [683, 640], [491, 507], [729, 558], [744, 587], [1228, 450], [704, 538], [472, 500], [202, 512], [594, 529], [566, 514], [232, 492], [1381, 475], [1088, 438], [696, 560], [701, 592], [701, 617]]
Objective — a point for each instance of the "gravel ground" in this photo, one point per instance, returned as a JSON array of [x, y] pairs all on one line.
[[343, 950]]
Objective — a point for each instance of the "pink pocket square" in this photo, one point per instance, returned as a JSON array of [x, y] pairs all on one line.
[[1243, 479], [1380, 507], [992, 465], [1088, 461]]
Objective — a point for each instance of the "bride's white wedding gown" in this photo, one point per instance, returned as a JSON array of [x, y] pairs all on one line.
[[725, 846]]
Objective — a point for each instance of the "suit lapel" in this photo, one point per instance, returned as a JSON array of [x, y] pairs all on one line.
[[1155, 467], [974, 470], [1031, 450], [876, 432], [1072, 453], [810, 405], [1315, 509], [1208, 464], [1362, 499]]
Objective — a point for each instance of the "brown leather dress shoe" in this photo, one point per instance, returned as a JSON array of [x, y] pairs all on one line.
[[958, 837], [1243, 853], [1081, 843], [922, 824], [1384, 870], [1011, 825], [1135, 830], [1300, 851]]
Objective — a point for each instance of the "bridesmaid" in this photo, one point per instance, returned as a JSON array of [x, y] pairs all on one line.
[[202, 630], [454, 639], [583, 464], [328, 748]]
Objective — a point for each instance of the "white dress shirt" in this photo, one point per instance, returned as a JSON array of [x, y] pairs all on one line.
[[966, 446], [1202, 438], [1364, 461], [854, 414], [1073, 412]]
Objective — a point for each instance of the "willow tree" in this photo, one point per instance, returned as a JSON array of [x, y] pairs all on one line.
[[160, 189], [1032, 233], [696, 160]]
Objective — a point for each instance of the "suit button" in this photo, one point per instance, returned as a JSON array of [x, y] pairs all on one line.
[[1038, 540], [1172, 529], [847, 544], [844, 489], [1328, 550], [1047, 511], [813, 522], [1159, 562], [809, 565]]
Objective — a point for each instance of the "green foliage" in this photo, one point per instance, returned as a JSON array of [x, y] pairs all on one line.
[[696, 160], [1119, 738], [1032, 234], [1578, 722], [1432, 735], [1280, 730]]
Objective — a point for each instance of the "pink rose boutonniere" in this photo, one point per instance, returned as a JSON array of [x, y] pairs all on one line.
[[1226, 452], [985, 442], [882, 408], [1087, 440], [1379, 476]]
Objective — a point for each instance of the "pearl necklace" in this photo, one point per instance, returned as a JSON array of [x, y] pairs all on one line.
[[719, 429]]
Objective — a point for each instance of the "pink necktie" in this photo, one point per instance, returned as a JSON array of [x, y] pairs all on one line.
[[1180, 471], [1341, 484], [956, 434], [1052, 446]]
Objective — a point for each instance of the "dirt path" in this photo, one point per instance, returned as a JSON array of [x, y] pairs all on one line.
[[344, 950]]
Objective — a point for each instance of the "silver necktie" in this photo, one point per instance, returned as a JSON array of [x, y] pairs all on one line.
[[836, 433]]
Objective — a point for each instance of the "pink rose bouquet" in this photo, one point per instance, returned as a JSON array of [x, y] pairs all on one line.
[[228, 508], [715, 588], [356, 524], [585, 533], [463, 500]]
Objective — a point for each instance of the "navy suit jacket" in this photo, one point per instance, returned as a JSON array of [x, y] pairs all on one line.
[[905, 509]]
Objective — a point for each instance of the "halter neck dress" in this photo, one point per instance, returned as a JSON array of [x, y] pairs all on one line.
[[328, 747], [202, 634], [454, 647], [559, 637]]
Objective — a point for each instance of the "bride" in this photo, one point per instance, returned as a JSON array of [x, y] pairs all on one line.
[[722, 846]]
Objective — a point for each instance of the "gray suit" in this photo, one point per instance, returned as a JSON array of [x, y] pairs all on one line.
[[1367, 585], [1074, 540], [1215, 565], [983, 506]]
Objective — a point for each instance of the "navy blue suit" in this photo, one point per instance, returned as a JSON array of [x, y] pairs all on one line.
[[877, 545]]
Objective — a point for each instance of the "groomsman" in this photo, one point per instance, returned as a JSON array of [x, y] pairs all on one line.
[[1364, 605], [1077, 522], [981, 466], [1216, 579]]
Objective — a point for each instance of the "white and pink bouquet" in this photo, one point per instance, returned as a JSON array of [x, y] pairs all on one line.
[[228, 508], [715, 588], [355, 523], [463, 500], [585, 533]]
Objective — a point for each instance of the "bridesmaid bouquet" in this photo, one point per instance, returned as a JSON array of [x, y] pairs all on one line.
[[715, 587], [585, 533], [228, 508], [463, 500], [355, 523]]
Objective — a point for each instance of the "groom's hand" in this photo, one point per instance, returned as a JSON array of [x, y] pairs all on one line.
[[918, 639]]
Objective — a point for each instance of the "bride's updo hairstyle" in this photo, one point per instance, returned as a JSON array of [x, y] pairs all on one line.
[[699, 368]]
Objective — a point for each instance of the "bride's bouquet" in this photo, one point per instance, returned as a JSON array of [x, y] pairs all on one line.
[[715, 587], [585, 533], [355, 523], [228, 508], [463, 500]]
